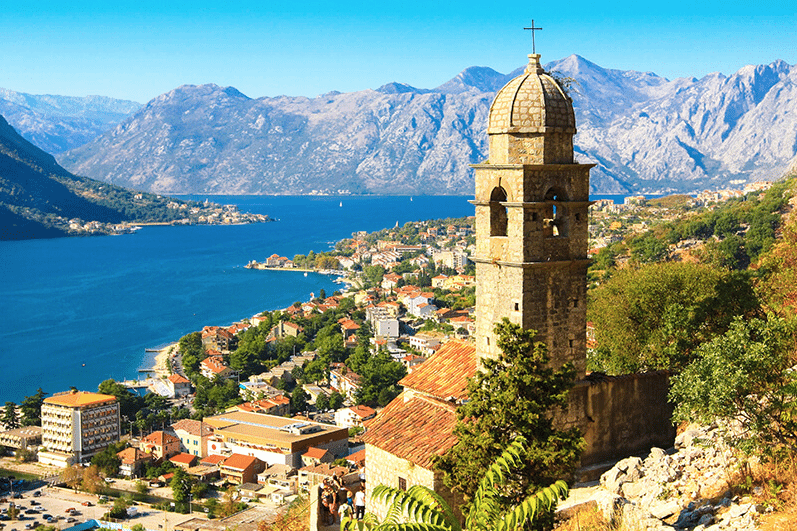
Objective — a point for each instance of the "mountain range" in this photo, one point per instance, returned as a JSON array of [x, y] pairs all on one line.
[[645, 133]]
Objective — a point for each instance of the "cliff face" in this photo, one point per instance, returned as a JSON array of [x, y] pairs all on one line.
[[644, 132], [58, 123]]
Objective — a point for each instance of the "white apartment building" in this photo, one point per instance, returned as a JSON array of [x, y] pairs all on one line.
[[77, 425]]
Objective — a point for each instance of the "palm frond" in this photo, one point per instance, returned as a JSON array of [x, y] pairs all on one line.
[[418, 505], [528, 509]]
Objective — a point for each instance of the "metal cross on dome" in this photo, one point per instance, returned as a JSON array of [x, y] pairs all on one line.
[[533, 29]]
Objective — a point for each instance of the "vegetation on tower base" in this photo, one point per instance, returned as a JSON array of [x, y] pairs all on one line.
[[513, 396]]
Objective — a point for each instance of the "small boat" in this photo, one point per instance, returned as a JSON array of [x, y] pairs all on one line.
[[410, 198], [341, 204], [305, 273]]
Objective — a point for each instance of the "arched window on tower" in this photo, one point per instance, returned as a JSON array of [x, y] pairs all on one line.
[[554, 219], [498, 216]]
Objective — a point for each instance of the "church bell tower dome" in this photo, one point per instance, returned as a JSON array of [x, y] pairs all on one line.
[[531, 120]]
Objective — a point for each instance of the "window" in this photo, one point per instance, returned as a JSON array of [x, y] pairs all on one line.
[[402, 484], [498, 215]]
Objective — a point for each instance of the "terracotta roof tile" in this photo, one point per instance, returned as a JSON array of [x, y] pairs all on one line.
[[446, 373], [415, 430], [239, 462], [315, 453], [193, 427], [160, 438], [183, 458]]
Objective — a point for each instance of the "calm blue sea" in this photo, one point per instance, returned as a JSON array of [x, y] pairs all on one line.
[[76, 311]]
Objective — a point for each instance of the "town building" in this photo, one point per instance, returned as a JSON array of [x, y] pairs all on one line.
[[272, 439], [193, 435], [21, 438], [160, 444], [178, 385], [77, 425], [353, 417], [241, 468], [132, 461]]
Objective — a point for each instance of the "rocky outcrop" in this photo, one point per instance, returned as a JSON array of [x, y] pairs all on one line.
[[684, 488]]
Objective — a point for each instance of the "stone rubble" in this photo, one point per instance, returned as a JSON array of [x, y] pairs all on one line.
[[674, 490]]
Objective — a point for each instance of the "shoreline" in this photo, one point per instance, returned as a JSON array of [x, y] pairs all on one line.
[[161, 366]]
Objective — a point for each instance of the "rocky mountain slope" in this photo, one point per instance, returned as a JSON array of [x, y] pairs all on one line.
[[58, 123], [40, 199], [644, 132]]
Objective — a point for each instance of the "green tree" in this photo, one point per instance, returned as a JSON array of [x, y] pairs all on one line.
[[652, 317], [10, 418], [107, 461], [180, 485], [322, 402], [336, 400], [744, 374], [513, 396], [31, 408], [421, 508], [299, 400]]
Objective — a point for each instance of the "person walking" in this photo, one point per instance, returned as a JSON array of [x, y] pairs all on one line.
[[359, 504]]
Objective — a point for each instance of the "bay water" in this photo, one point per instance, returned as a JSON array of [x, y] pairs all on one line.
[[76, 311]]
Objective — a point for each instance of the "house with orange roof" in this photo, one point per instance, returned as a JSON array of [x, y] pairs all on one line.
[[183, 460], [353, 417], [178, 385], [316, 456], [218, 338], [160, 444], [402, 441], [132, 461], [240, 469], [213, 367], [193, 435]]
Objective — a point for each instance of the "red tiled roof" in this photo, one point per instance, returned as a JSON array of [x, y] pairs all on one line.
[[183, 458], [315, 453], [415, 430], [446, 373], [176, 378], [363, 411], [213, 459], [131, 455], [160, 438], [357, 457], [194, 427], [239, 462]]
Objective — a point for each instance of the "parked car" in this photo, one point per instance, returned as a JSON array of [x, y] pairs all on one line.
[[87, 503], [34, 502], [70, 520]]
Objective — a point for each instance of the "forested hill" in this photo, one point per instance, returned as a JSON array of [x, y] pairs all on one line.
[[40, 199]]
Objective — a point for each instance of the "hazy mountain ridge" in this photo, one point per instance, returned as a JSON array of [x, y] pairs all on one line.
[[59, 123], [644, 132]]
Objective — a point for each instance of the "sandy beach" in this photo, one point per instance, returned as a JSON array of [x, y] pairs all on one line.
[[161, 367]]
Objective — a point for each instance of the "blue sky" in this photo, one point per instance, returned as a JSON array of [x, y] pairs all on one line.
[[140, 49]]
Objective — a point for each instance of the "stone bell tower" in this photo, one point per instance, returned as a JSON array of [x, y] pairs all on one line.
[[531, 220]]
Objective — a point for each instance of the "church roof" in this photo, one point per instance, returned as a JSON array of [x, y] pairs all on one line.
[[415, 429], [445, 374], [531, 103]]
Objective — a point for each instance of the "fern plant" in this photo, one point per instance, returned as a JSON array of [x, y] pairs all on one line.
[[421, 509]]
